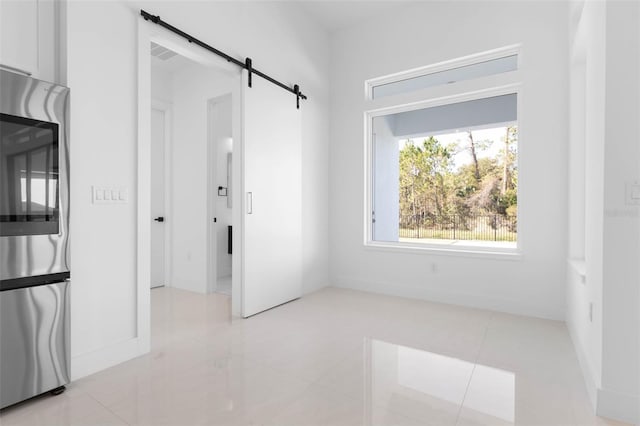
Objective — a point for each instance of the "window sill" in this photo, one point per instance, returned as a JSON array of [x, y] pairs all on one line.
[[498, 253]]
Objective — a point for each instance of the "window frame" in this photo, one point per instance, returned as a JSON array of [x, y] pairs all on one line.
[[468, 90], [476, 58]]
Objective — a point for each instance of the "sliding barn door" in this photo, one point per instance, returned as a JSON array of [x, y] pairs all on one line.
[[272, 259]]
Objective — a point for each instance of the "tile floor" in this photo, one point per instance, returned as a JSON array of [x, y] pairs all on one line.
[[224, 285], [335, 357]]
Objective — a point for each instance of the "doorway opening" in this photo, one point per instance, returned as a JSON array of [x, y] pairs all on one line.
[[262, 181], [220, 183], [191, 191], [160, 196]]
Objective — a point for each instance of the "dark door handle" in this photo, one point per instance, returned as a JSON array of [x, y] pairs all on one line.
[[159, 219]]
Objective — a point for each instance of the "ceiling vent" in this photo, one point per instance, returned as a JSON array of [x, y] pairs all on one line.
[[161, 52]]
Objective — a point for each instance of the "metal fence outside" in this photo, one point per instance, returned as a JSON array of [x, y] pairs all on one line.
[[458, 227]]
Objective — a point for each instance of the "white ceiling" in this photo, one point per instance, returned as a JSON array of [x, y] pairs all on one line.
[[337, 15], [333, 15]]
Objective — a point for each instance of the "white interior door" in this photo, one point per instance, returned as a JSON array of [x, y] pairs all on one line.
[[157, 197], [272, 204]]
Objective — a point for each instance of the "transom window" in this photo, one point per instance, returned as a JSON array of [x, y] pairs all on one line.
[[448, 76]]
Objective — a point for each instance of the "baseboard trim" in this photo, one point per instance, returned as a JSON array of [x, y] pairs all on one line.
[[458, 299], [619, 406], [308, 289], [92, 362], [585, 367]]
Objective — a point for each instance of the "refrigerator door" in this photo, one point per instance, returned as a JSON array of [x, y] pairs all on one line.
[[34, 341], [34, 128]]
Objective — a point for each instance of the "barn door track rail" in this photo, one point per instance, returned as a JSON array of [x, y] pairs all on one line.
[[247, 64]]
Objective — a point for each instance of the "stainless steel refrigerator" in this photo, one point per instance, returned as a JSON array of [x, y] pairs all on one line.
[[34, 237]]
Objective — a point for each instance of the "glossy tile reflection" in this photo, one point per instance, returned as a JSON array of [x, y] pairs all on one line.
[[335, 357], [422, 378], [492, 392]]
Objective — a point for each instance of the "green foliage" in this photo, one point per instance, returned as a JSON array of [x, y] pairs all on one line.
[[425, 177], [432, 188], [507, 200]]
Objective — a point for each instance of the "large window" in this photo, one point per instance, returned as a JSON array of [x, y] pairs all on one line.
[[443, 173]]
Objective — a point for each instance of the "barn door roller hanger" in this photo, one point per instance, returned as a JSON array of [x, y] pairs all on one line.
[[247, 64]]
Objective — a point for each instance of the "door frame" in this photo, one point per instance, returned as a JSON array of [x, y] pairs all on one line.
[[148, 32], [167, 109]]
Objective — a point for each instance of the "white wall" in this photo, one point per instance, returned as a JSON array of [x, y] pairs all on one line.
[[102, 76], [586, 165], [102, 73], [620, 394], [161, 84], [532, 284], [607, 35]]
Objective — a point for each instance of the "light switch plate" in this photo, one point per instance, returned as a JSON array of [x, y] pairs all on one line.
[[632, 196], [109, 195]]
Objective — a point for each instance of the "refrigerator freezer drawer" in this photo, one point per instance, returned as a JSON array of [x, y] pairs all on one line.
[[34, 341]]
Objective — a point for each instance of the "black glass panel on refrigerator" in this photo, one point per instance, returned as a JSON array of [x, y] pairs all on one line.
[[29, 181]]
